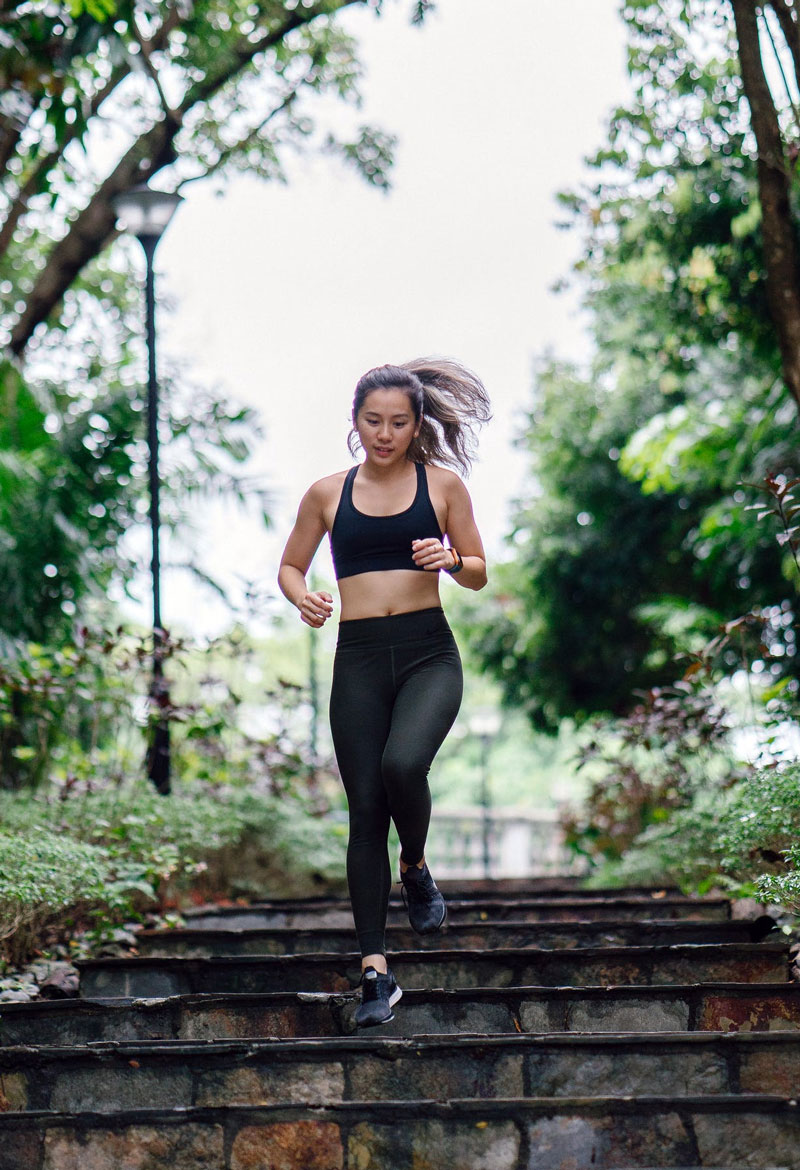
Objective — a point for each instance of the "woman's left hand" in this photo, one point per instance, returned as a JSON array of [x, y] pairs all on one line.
[[431, 554]]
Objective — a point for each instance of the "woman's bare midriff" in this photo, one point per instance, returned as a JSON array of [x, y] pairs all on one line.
[[385, 593]]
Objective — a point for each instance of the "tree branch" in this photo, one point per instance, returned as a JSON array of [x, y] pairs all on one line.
[[171, 21], [9, 140], [285, 103], [152, 72], [31, 185], [790, 29], [778, 231], [10, 136], [776, 52], [91, 230], [246, 50], [152, 151]]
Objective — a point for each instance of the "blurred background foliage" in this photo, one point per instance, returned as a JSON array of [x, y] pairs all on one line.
[[640, 630], [95, 97], [650, 588], [639, 465]]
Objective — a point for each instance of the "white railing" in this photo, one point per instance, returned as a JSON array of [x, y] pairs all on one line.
[[521, 843]]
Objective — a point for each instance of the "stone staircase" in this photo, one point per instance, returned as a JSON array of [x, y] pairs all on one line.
[[543, 1029]]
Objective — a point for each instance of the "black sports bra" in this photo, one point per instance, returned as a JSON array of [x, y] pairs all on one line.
[[369, 544]]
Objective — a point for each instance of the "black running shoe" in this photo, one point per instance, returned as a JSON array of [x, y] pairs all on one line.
[[426, 907], [379, 993]]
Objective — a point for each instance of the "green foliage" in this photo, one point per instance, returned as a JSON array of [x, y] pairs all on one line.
[[100, 858], [647, 765], [48, 869], [743, 840], [43, 874], [210, 90], [132, 823], [569, 626], [706, 822], [97, 9], [68, 712], [245, 815], [73, 476], [285, 847], [78, 714], [634, 501], [783, 888]]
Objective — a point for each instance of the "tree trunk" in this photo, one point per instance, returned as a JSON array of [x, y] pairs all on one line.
[[774, 186]]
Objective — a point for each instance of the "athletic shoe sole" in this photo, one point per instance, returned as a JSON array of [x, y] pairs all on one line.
[[396, 995]]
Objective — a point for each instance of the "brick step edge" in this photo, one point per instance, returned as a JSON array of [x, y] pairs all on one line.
[[460, 898], [749, 929], [533, 1009], [396, 1110], [388, 1046], [585, 1133], [454, 954], [417, 995]]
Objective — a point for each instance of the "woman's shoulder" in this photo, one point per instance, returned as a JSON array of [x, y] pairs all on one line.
[[443, 477], [323, 490]]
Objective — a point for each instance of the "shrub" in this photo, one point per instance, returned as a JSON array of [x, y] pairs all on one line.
[[42, 875], [743, 840], [65, 710], [646, 766], [244, 814], [150, 851]]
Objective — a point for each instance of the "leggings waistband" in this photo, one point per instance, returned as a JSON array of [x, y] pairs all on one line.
[[393, 629]]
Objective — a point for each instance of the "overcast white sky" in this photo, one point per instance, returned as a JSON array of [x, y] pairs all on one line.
[[285, 295]]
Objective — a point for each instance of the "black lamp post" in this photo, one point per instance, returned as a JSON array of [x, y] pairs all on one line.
[[145, 214]]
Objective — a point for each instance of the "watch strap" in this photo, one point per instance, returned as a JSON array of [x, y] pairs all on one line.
[[459, 565]]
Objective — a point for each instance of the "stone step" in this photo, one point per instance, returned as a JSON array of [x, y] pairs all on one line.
[[693, 1007], [765, 962], [123, 1076], [722, 1006], [284, 940], [590, 1133], [304, 913], [551, 887]]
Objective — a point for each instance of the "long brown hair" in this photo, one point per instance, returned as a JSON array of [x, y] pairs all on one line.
[[449, 402]]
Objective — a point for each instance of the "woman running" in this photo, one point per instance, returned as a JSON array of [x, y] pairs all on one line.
[[395, 521]]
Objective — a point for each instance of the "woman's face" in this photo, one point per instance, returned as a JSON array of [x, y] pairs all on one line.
[[386, 426]]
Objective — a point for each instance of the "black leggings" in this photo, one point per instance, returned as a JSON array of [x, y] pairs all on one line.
[[396, 691]]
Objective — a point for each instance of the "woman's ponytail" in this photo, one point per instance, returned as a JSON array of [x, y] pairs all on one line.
[[455, 405], [449, 402]]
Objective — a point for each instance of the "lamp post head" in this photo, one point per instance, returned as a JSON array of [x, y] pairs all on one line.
[[485, 722], [145, 213]]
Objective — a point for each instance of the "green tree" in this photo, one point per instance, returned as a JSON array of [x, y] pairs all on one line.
[[211, 88], [95, 97], [776, 130], [710, 150], [607, 583], [632, 540]]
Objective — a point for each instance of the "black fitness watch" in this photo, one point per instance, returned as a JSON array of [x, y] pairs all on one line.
[[459, 565]]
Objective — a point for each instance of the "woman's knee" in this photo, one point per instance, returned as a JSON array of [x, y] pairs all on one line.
[[369, 823], [404, 772]]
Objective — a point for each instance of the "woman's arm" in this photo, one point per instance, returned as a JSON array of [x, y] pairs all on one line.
[[462, 532], [304, 540]]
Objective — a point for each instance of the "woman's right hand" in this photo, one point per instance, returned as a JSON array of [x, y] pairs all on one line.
[[316, 608]]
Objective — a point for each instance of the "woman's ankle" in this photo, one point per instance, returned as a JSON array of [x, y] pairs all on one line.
[[377, 961], [404, 865]]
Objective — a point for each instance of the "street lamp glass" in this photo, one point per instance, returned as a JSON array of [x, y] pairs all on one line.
[[485, 722], [145, 212]]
